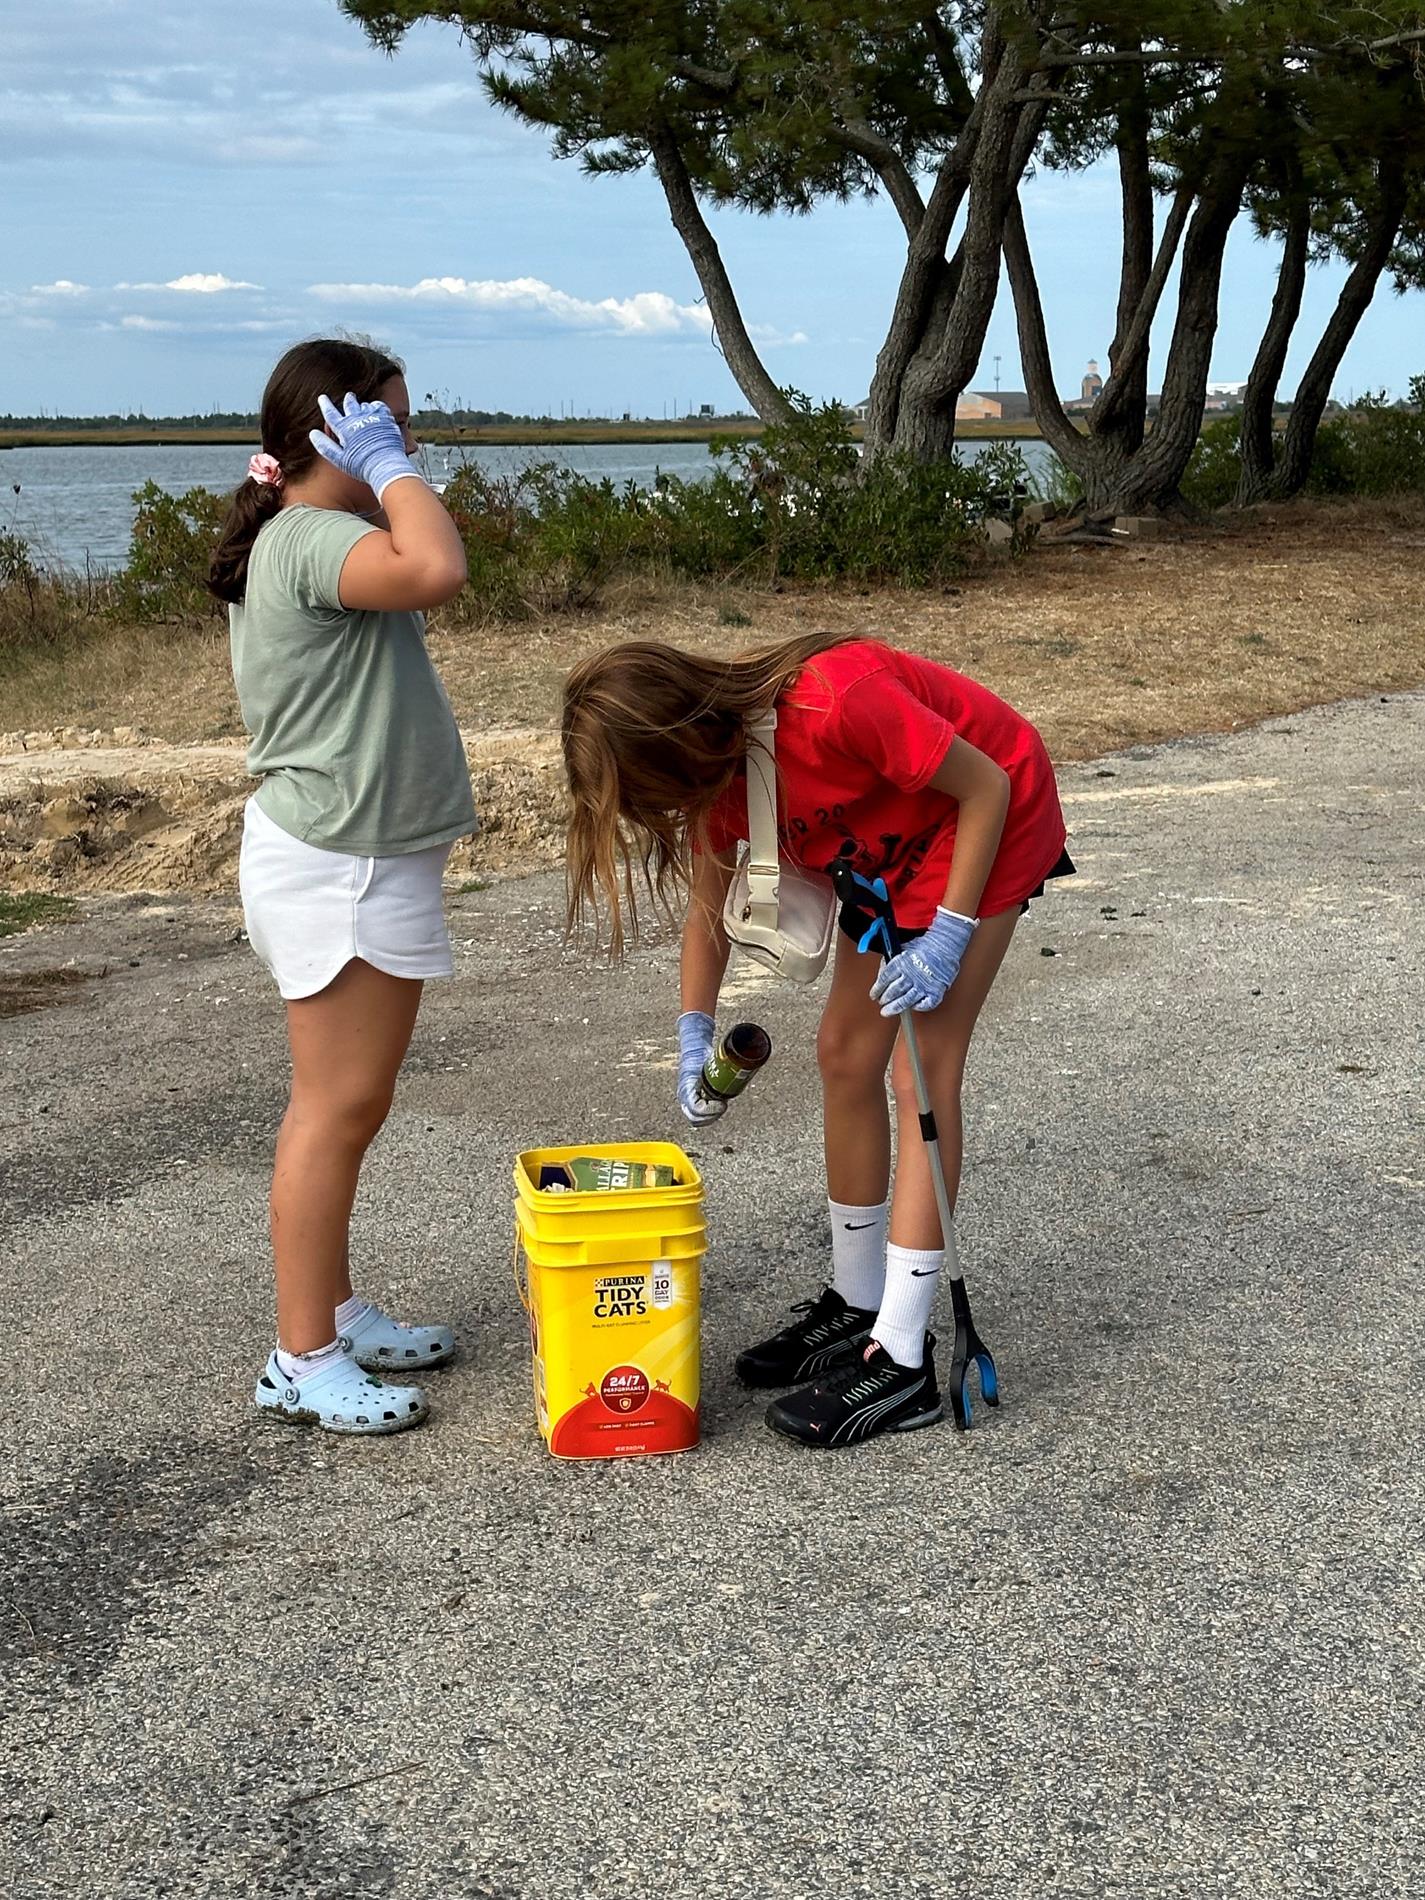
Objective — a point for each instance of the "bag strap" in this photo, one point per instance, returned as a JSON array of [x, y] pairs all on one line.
[[764, 870]]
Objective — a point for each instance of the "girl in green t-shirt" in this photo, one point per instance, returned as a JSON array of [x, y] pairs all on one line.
[[332, 548]]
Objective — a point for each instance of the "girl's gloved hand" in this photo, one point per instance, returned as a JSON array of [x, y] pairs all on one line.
[[919, 977], [369, 443], [696, 1032]]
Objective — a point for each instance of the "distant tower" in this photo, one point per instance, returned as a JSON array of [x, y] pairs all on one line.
[[1093, 383]]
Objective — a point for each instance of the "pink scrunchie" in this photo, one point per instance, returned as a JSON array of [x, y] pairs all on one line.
[[265, 469]]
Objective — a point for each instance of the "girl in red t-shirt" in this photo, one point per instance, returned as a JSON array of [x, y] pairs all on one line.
[[922, 777]]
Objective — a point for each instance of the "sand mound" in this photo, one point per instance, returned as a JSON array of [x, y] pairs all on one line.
[[113, 811]]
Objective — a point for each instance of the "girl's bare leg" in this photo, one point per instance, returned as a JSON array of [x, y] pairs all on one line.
[[943, 1036], [853, 1047], [348, 1044]]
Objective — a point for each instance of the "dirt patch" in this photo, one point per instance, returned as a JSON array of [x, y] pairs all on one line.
[[24, 990], [1102, 647], [149, 816]]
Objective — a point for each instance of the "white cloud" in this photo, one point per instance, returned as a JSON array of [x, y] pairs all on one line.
[[147, 323], [646, 313], [201, 283], [207, 283], [61, 287]]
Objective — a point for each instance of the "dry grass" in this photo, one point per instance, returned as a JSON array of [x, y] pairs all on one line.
[[174, 682], [1101, 647]]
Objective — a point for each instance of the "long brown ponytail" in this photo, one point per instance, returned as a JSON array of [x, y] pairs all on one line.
[[653, 737], [324, 366]]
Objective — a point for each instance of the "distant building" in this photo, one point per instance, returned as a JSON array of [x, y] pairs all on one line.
[[1005, 405], [1014, 405], [1088, 394]]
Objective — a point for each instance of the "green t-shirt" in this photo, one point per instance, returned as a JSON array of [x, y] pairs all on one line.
[[352, 734]]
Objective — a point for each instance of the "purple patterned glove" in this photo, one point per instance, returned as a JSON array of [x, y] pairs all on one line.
[[920, 976]]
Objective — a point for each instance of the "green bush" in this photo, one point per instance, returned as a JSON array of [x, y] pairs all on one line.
[[794, 502], [1373, 448], [1055, 482], [169, 548], [1211, 478]]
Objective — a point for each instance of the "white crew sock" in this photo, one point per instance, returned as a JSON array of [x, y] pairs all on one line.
[[858, 1253], [912, 1276], [350, 1311], [297, 1366]]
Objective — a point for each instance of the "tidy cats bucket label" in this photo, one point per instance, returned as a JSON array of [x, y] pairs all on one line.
[[613, 1237], [616, 1357]]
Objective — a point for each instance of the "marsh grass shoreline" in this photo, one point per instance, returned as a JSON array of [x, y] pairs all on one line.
[[492, 435]]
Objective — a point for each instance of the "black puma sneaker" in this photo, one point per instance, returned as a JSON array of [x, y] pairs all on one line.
[[829, 1333], [861, 1400]]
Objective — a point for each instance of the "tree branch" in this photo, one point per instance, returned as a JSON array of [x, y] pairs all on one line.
[[737, 346], [1169, 56], [947, 62], [1136, 263], [1034, 357], [860, 137], [1255, 445], [1134, 350], [1056, 62]]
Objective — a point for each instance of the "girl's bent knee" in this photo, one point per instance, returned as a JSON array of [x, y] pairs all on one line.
[[943, 1078], [846, 1058]]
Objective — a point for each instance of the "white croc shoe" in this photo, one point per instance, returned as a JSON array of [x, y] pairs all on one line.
[[382, 1344], [340, 1397]]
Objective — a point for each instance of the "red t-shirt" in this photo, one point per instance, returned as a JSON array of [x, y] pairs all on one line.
[[861, 731]]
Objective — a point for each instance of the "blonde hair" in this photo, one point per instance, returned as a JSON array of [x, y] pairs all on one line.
[[653, 737]]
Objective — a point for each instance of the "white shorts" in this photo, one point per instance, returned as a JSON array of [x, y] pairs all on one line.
[[309, 911]]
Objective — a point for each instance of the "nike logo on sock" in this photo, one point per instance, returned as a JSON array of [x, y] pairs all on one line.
[[857, 1226], [922, 1273]]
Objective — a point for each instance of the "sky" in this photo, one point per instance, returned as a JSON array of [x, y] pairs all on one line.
[[191, 187]]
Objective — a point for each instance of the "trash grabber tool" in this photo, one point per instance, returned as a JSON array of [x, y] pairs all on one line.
[[871, 897]]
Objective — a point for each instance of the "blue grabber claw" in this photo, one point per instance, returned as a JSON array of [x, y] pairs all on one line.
[[869, 940], [970, 1350]]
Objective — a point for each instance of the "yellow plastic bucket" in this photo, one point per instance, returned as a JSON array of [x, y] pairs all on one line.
[[613, 1288]]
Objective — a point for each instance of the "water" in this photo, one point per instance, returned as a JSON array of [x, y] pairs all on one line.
[[75, 505]]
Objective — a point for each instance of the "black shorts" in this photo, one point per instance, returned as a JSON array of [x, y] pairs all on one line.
[[855, 922]]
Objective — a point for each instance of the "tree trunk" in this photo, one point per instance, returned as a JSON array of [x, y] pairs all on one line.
[[1258, 449], [737, 346], [1136, 185], [1129, 361], [1356, 294], [1011, 129], [1067, 442], [942, 312], [925, 427], [923, 280], [1150, 478]]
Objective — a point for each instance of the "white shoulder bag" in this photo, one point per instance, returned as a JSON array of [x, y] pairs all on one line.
[[776, 913]]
